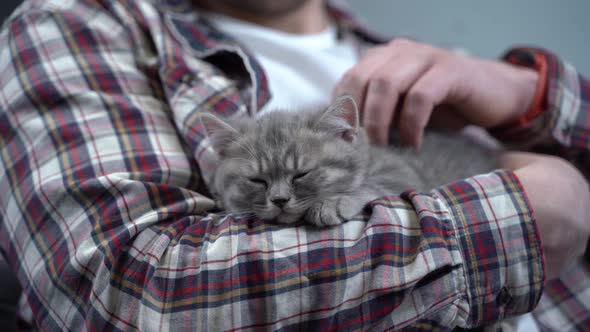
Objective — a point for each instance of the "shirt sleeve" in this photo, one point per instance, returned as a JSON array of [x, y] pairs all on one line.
[[559, 124], [560, 116], [104, 224]]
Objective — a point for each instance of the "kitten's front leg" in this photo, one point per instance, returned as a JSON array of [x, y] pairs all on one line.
[[323, 213], [335, 211]]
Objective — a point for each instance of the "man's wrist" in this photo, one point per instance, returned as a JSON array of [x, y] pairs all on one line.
[[531, 82], [531, 93], [525, 83]]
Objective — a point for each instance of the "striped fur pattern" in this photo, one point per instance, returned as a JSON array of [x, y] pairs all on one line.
[[319, 166]]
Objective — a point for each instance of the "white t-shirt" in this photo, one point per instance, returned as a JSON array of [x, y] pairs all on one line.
[[301, 69]]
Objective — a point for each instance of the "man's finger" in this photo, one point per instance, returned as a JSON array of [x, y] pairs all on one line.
[[385, 87], [428, 92], [354, 82]]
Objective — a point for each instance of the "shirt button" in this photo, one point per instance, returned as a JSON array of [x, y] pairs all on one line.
[[504, 297]]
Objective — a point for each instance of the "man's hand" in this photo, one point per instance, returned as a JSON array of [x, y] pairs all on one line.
[[403, 82], [560, 198]]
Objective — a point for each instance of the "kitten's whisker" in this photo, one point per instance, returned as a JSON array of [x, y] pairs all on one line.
[[236, 158]]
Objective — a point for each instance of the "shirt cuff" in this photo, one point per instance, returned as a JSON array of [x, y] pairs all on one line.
[[545, 123], [500, 245]]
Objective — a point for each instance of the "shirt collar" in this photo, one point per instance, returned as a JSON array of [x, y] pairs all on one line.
[[205, 42]]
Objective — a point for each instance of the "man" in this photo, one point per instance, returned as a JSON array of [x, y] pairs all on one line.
[[103, 203]]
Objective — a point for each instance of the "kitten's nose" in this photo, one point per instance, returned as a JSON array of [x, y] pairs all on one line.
[[280, 201]]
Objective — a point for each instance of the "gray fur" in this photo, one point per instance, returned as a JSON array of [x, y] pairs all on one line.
[[319, 166]]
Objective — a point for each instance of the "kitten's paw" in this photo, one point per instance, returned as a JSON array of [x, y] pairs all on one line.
[[323, 214]]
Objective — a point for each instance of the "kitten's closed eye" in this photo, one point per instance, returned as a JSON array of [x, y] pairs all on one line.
[[299, 176], [258, 181]]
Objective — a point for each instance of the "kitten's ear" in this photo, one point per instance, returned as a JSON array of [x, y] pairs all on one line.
[[219, 132], [342, 118]]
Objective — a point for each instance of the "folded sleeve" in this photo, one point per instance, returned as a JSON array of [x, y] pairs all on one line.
[[103, 220], [561, 113], [499, 244]]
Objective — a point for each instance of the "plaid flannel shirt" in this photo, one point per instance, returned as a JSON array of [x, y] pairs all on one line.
[[103, 211]]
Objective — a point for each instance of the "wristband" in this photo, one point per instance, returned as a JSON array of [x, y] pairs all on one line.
[[538, 62]]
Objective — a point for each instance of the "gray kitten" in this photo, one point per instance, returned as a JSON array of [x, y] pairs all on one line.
[[320, 167]]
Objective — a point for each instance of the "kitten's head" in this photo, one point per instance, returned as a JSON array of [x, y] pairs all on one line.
[[277, 165]]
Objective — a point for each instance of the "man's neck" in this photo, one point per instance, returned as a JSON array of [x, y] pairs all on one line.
[[311, 17]]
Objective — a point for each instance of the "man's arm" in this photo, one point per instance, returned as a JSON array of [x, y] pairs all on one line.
[[560, 197], [408, 84], [531, 97], [103, 222], [542, 100]]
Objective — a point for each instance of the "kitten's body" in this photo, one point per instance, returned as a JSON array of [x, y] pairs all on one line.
[[318, 166], [443, 158]]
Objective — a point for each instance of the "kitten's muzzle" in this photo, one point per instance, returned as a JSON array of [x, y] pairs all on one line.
[[280, 201]]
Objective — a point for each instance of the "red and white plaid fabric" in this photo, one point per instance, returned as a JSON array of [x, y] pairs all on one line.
[[103, 211]]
